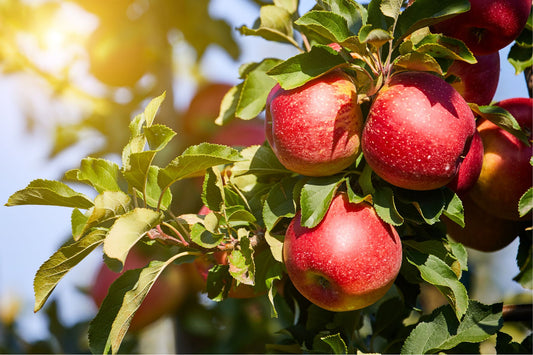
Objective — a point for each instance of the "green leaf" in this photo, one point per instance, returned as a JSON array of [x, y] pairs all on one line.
[[99, 173], [213, 189], [136, 174], [290, 5], [127, 230], [453, 254], [327, 24], [454, 209], [416, 61], [442, 330], [436, 272], [194, 160], [315, 198], [158, 136], [353, 12], [275, 24], [279, 203], [501, 118], [525, 205], [125, 296], [520, 58], [336, 343], [428, 204], [78, 220], [440, 46], [50, 193], [524, 261], [391, 8], [424, 13], [259, 160], [61, 262], [376, 36], [304, 67], [241, 262], [228, 106], [151, 109], [255, 89], [205, 238], [107, 206], [153, 190], [383, 200]]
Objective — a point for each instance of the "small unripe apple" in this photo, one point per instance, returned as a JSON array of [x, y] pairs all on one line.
[[482, 231], [489, 25], [470, 168], [417, 132], [315, 129], [479, 81], [348, 261], [506, 173], [166, 295]]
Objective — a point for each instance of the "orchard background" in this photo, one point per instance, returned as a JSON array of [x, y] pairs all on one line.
[[70, 108]]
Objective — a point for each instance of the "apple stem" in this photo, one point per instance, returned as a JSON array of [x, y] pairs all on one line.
[[306, 43], [171, 227]]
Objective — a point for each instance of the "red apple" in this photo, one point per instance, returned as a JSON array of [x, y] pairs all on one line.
[[165, 296], [478, 82], [470, 168], [315, 129], [348, 261], [199, 118], [482, 231], [417, 131], [489, 25], [240, 133], [506, 173]]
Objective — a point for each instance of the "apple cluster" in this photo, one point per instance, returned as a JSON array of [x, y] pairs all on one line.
[[419, 133]]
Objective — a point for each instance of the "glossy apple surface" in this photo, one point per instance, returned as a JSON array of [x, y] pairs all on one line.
[[482, 231], [506, 173], [470, 168], [478, 82], [489, 25], [315, 129], [165, 296], [417, 131], [348, 261]]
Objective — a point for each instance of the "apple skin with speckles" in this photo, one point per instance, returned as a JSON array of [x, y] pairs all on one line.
[[506, 173], [417, 132], [479, 81], [488, 26], [348, 261], [470, 168], [315, 129]]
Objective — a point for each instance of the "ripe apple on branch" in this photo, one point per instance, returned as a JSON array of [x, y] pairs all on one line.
[[370, 160]]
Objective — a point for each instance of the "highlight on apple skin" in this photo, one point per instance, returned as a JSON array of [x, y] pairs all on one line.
[[417, 132], [488, 26], [315, 129], [506, 173], [348, 261]]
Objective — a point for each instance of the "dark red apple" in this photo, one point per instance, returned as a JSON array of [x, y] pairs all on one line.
[[482, 231], [470, 168], [348, 261], [478, 82], [506, 173], [417, 132], [315, 129], [166, 295], [488, 26]]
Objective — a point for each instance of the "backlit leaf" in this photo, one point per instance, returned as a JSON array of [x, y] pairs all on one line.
[[327, 24], [99, 173], [127, 230], [279, 202], [50, 193], [525, 204], [61, 262]]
